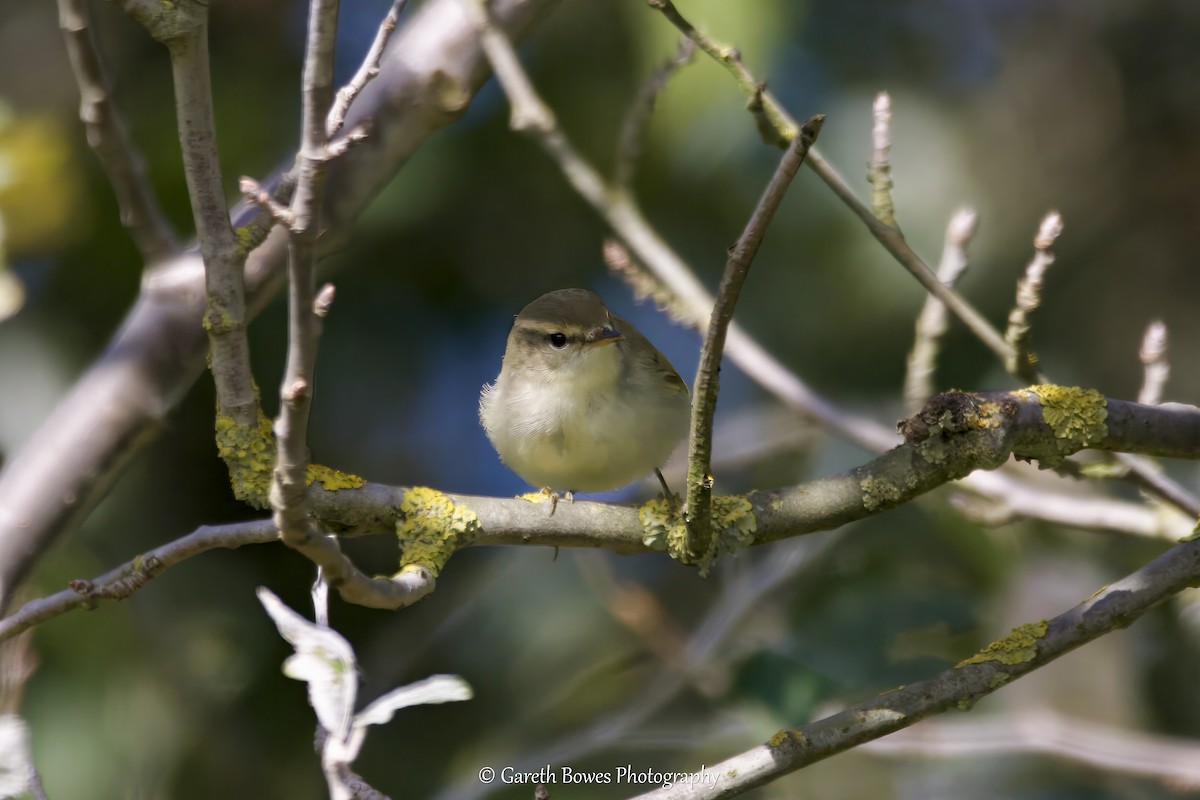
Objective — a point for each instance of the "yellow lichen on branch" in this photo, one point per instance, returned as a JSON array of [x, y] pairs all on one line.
[[1076, 416], [734, 527], [432, 527], [1017, 647], [249, 454]]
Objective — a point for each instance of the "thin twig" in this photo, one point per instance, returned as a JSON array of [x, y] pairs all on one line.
[[1153, 355], [629, 142], [125, 580], [879, 168], [751, 357], [366, 72], [1173, 761], [291, 426], [108, 137], [931, 322], [698, 508], [256, 194], [1022, 361]]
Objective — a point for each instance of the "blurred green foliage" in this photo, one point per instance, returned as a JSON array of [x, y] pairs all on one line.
[[1012, 107]]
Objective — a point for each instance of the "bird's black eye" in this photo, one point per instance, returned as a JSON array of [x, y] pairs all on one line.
[[557, 340]]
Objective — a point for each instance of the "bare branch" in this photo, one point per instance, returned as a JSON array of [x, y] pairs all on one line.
[[629, 143], [1024, 650], [1154, 359], [879, 168], [256, 194], [956, 445], [1173, 761], [1022, 361], [125, 580], [108, 137], [931, 322], [295, 394], [183, 28], [956, 435], [698, 508], [366, 72]]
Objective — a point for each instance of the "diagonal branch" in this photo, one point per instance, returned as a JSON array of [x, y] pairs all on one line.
[[1026, 649], [122, 582], [931, 322], [366, 73]]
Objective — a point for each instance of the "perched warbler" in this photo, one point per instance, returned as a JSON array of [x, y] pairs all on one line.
[[583, 401]]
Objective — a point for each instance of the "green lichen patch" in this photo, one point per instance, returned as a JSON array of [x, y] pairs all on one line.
[[432, 527], [1076, 416], [1017, 647], [249, 454], [661, 523]]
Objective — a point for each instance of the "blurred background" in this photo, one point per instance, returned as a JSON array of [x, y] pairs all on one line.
[[1012, 107]]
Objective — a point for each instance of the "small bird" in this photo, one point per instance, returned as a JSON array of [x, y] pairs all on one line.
[[583, 401]]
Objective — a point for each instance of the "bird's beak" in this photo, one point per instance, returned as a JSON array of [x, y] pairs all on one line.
[[606, 335]]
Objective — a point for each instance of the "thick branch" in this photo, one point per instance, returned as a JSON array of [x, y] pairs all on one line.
[[955, 434]]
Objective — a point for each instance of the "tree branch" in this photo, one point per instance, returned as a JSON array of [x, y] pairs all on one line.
[[366, 72], [698, 508], [629, 143], [108, 137], [1024, 650], [1023, 361], [954, 435], [125, 580], [931, 322], [225, 313], [1173, 761]]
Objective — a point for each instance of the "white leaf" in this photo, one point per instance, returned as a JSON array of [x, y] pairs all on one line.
[[434, 689], [16, 765], [324, 659]]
